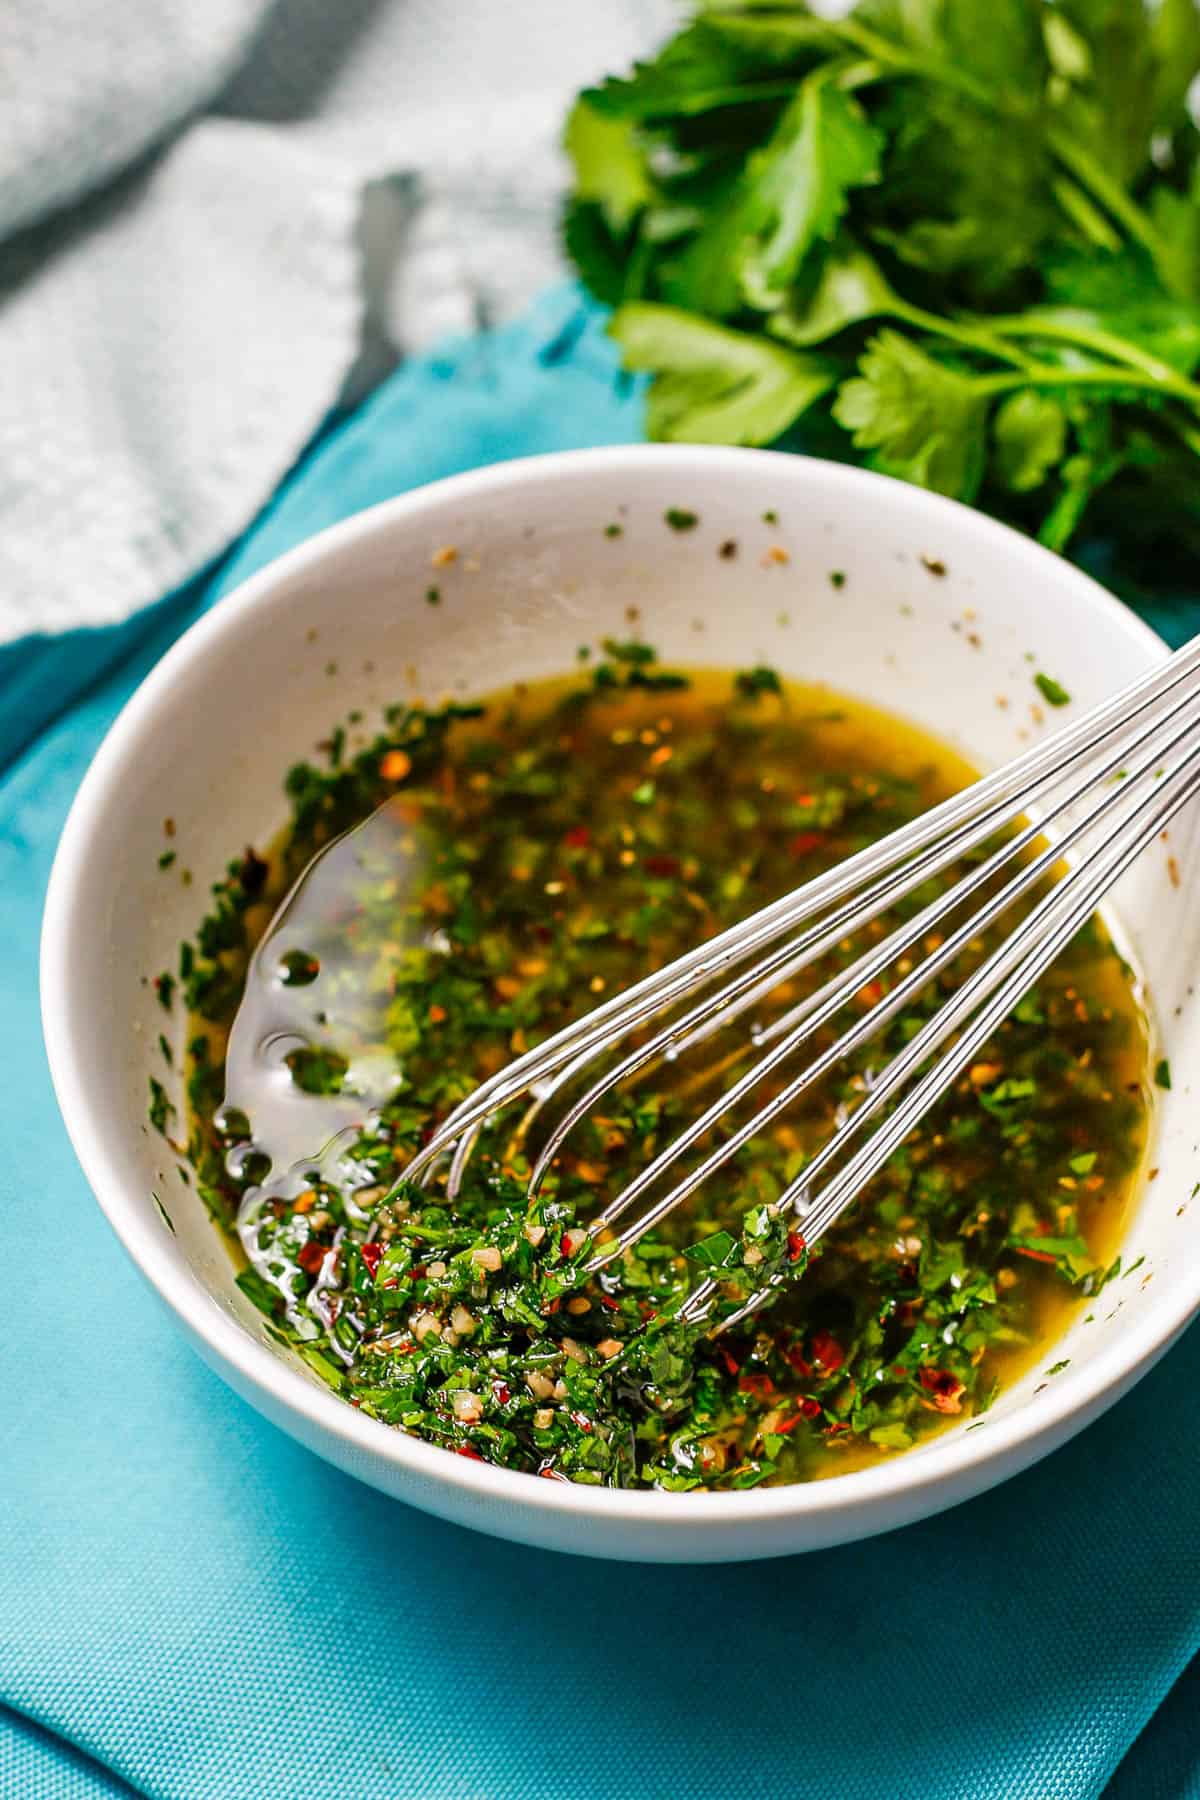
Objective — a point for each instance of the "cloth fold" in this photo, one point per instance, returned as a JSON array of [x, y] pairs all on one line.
[[169, 345], [207, 1612]]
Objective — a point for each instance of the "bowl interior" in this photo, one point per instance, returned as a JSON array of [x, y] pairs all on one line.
[[941, 617]]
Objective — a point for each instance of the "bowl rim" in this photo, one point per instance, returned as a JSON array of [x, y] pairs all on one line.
[[1013, 1441]]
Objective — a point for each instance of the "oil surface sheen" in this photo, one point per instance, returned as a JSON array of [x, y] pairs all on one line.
[[459, 887]]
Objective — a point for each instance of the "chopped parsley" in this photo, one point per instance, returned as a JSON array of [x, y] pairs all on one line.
[[528, 860], [1051, 691], [759, 680]]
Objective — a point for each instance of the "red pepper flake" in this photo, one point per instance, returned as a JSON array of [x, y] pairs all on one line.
[[395, 765], [661, 865], [836, 1430], [582, 1420], [810, 1408], [827, 1351], [502, 1392], [578, 838], [795, 1359], [552, 1306], [1042, 1256], [761, 1386], [405, 1347], [783, 1426], [311, 1256], [806, 842], [612, 1305], [564, 1244], [796, 1246], [730, 1363], [436, 1014], [372, 1255], [466, 1450], [944, 1388], [417, 1271], [899, 1371], [552, 1474], [871, 994], [651, 1312]]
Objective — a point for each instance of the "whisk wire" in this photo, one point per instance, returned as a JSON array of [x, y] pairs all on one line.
[[985, 799], [1064, 920], [829, 1000], [1147, 734]]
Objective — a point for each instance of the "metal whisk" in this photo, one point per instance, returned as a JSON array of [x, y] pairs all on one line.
[[1076, 810]]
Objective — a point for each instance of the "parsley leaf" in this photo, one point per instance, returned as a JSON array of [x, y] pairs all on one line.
[[923, 420], [716, 1252], [850, 287], [1014, 185], [610, 169], [714, 385], [700, 68], [823, 147], [1030, 433]]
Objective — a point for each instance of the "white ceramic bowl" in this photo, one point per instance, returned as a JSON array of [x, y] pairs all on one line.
[[942, 614]]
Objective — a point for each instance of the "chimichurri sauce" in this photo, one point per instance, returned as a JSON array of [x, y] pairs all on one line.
[[507, 866]]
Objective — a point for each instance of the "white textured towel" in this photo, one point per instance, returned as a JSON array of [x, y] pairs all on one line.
[[203, 203]]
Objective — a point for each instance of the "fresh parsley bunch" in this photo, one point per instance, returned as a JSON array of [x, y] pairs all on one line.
[[960, 238]]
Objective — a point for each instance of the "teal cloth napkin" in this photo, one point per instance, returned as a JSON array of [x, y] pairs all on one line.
[[196, 1607]]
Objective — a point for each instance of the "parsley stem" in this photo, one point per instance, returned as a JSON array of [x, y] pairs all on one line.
[[1041, 375], [893, 59], [1111, 195], [958, 331], [1187, 433], [1088, 337]]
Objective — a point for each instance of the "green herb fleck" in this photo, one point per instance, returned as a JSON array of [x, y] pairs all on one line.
[[162, 1109], [751, 683], [316, 1070], [1052, 691]]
